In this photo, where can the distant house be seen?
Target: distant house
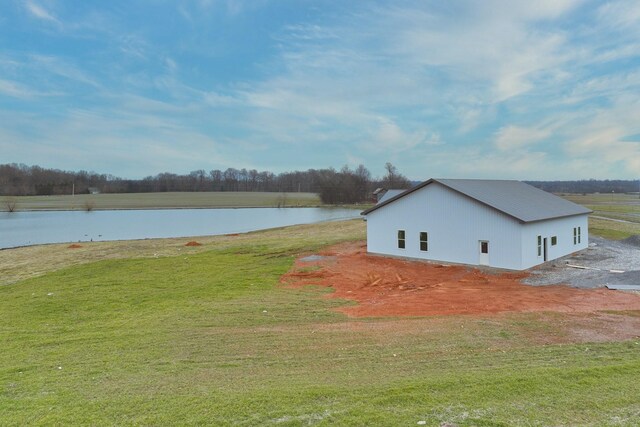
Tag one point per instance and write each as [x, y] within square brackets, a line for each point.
[378, 193]
[389, 194]
[505, 224]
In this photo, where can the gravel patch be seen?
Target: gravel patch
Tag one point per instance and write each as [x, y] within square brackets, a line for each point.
[313, 258]
[601, 256]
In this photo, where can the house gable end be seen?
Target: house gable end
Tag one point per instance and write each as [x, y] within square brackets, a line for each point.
[515, 199]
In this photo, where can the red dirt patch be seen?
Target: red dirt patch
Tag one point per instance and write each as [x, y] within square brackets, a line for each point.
[74, 246]
[192, 243]
[394, 287]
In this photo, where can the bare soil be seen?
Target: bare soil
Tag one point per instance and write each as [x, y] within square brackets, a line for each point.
[193, 243]
[384, 286]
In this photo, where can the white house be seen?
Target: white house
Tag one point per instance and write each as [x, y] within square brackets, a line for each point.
[505, 224]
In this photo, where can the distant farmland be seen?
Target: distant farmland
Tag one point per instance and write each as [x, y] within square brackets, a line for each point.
[615, 216]
[164, 201]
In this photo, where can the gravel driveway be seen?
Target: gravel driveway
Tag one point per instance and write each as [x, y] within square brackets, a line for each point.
[602, 255]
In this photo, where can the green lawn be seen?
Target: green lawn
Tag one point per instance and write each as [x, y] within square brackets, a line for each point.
[210, 337]
[612, 229]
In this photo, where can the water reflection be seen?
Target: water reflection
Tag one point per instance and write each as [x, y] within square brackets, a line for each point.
[31, 228]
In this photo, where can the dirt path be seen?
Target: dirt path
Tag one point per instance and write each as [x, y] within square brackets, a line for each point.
[392, 287]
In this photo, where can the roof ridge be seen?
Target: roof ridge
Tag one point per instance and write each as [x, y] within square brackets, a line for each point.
[518, 199]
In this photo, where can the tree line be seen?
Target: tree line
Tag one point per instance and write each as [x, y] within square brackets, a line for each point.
[334, 186]
[589, 186]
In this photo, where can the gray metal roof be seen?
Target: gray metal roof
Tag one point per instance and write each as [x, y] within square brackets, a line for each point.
[514, 198]
[389, 194]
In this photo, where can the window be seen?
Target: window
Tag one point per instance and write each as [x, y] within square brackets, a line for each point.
[575, 235]
[578, 235]
[484, 247]
[401, 239]
[554, 240]
[424, 241]
[539, 245]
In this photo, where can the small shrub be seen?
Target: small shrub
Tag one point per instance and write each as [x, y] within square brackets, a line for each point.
[10, 204]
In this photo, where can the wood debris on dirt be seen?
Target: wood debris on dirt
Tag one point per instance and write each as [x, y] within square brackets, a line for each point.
[385, 286]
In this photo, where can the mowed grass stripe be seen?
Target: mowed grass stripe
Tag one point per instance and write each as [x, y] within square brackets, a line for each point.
[165, 200]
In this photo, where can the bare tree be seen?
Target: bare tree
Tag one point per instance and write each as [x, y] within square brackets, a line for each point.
[10, 204]
[198, 179]
[282, 200]
[231, 179]
[394, 179]
[216, 179]
[253, 179]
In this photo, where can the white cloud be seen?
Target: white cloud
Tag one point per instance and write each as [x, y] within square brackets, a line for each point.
[138, 137]
[60, 67]
[517, 137]
[15, 89]
[605, 145]
[608, 86]
[215, 99]
[519, 165]
[40, 12]
[307, 32]
[493, 42]
[171, 65]
[389, 136]
[591, 142]
[21, 91]
[622, 15]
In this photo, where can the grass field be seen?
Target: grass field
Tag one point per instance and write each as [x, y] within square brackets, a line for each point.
[162, 200]
[156, 333]
[615, 216]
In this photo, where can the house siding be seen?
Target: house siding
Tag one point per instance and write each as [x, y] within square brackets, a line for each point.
[562, 228]
[455, 224]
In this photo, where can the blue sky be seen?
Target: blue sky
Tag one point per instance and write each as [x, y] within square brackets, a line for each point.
[546, 89]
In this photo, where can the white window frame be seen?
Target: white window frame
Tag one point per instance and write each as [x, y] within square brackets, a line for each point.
[539, 246]
[425, 241]
[579, 236]
[402, 239]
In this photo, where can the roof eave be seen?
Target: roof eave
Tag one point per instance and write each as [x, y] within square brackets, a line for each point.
[556, 217]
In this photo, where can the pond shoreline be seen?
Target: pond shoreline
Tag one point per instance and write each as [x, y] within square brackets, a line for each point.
[29, 228]
[159, 208]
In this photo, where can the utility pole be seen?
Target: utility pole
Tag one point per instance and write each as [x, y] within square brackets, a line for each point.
[73, 189]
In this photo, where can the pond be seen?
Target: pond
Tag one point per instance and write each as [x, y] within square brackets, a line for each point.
[34, 228]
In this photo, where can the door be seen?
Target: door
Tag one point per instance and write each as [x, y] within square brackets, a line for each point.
[544, 248]
[483, 246]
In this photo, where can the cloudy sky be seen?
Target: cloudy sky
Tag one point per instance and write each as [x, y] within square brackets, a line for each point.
[546, 89]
